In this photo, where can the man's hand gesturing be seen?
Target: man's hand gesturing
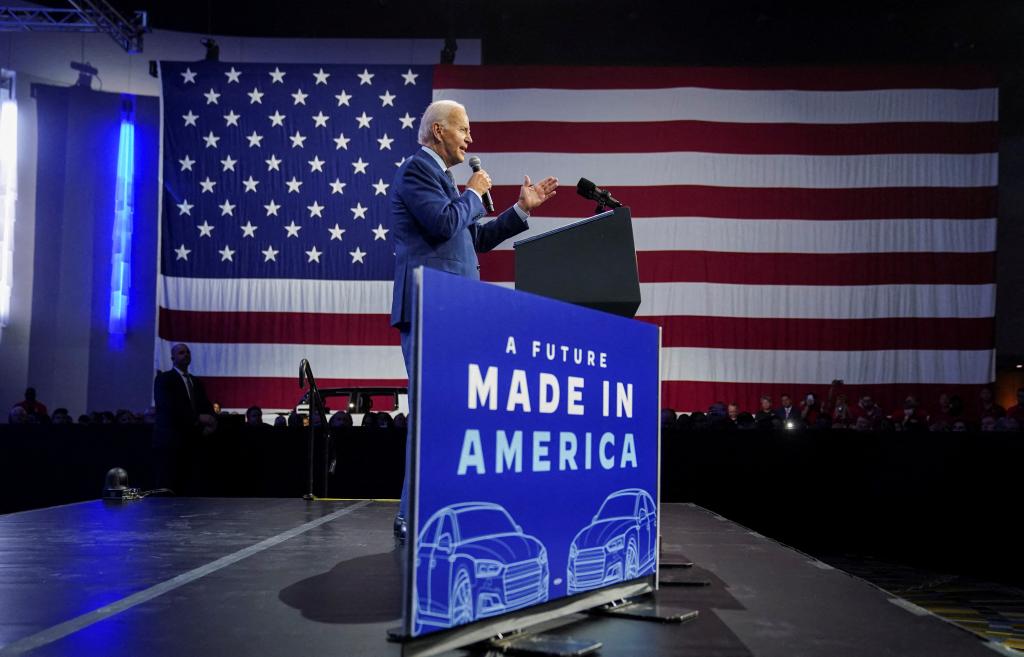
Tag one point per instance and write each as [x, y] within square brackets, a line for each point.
[532, 196]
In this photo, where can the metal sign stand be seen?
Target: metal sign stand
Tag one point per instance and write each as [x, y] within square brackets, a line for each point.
[675, 574]
[647, 608]
[539, 644]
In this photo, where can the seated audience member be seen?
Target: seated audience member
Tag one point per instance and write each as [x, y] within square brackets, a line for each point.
[942, 419]
[745, 421]
[684, 422]
[718, 418]
[910, 417]
[988, 423]
[987, 406]
[1017, 410]
[668, 419]
[384, 421]
[340, 420]
[18, 415]
[401, 421]
[956, 406]
[369, 419]
[84, 419]
[959, 425]
[254, 417]
[61, 416]
[841, 416]
[863, 423]
[280, 421]
[867, 408]
[699, 421]
[765, 417]
[732, 411]
[810, 412]
[216, 408]
[1008, 424]
[125, 416]
[33, 407]
[786, 412]
[149, 416]
[294, 420]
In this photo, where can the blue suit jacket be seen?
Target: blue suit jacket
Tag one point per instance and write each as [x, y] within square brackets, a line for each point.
[436, 227]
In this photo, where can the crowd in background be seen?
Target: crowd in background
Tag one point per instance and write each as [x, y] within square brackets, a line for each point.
[32, 411]
[950, 413]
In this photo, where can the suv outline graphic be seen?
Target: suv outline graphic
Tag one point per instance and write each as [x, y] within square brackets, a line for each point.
[614, 547]
[463, 574]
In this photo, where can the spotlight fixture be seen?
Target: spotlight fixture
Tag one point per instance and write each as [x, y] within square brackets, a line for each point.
[115, 486]
[212, 50]
[86, 71]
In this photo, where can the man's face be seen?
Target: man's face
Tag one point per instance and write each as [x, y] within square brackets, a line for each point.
[786, 401]
[253, 416]
[733, 411]
[181, 357]
[454, 137]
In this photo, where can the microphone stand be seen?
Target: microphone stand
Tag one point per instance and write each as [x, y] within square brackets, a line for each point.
[314, 399]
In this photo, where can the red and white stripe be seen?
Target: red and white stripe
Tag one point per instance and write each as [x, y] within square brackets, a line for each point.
[792, 226]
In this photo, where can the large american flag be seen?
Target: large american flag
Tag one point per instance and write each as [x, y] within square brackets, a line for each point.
[793, 226]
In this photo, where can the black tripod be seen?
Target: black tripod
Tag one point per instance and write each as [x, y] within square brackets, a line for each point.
[315, 402]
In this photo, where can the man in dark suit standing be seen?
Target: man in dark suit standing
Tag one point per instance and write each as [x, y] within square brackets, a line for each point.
[183, 413]
[436, 226]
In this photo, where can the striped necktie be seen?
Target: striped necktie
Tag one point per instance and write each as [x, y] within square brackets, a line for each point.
[188, 389]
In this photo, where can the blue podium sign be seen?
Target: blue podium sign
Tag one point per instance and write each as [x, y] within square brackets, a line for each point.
[535, 461]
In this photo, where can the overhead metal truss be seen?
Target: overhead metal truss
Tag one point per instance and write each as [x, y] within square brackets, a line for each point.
[85, 16]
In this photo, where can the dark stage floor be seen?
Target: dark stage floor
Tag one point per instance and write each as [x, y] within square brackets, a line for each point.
[214, 577]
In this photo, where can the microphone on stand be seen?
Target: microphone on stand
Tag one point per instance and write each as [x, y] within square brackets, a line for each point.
[474, 164]
[589, 190]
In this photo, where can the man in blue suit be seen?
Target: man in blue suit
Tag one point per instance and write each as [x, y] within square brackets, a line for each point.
[436, 226]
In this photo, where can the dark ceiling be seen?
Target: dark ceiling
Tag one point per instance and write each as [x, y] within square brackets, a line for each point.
[607, 32]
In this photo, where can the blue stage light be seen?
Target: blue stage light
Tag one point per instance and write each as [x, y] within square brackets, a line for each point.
[121, 249]
[8, 199]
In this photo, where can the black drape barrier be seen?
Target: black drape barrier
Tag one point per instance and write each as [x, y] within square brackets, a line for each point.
[948, 501]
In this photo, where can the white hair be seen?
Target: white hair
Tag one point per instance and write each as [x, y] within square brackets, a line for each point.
[436, 112]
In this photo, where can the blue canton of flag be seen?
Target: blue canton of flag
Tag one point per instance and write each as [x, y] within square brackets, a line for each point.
[282, 171]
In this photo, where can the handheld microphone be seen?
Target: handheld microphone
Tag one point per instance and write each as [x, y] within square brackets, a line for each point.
[589, 190]
[474, 164]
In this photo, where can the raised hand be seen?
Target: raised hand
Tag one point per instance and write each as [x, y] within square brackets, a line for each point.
[532, 196]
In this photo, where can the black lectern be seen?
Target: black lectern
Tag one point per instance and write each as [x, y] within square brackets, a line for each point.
[590, 263]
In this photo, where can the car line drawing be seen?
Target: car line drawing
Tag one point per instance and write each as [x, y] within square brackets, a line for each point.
[474, 561]
[619, 544]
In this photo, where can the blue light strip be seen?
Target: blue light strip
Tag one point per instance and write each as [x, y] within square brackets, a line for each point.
[121, 250]
[8, 199]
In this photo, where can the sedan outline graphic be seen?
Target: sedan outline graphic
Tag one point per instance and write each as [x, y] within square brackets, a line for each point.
[473, 561]
[619, 544]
